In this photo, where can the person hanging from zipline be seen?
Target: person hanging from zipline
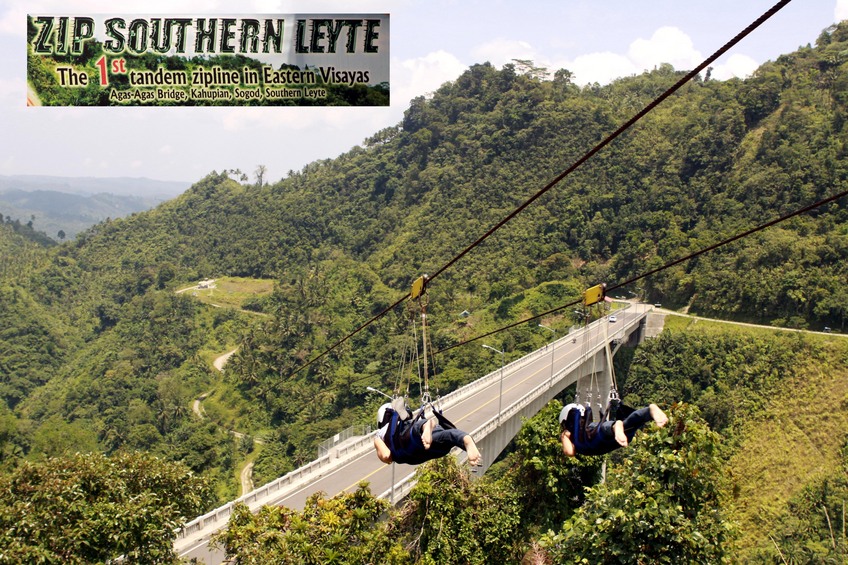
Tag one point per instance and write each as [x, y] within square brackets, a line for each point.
[402, 438]
[579, 434]
[619, 423]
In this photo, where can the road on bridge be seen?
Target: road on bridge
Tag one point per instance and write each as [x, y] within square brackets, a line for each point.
[468, 414]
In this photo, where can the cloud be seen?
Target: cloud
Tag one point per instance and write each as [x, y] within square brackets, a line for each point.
[741, 66]
[502, 51]
[601, 68]
[413, 77]
[666, 45]
[841, 11]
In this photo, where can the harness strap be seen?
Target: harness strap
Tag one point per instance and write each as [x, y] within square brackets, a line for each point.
[444, 422]
[586, 442]
[402, 443]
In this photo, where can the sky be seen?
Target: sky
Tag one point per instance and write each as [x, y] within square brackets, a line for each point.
[431, 42]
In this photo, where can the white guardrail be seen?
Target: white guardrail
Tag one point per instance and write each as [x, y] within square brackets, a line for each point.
[224, 512]
[341, 455]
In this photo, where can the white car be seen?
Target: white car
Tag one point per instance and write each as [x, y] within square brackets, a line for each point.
[613, 319]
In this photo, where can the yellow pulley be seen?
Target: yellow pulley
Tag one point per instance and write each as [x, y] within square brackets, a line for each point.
[594, 294]
[418, 287]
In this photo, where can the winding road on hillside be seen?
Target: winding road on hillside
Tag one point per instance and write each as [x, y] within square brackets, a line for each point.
[222, 360]
[246, 476]
[197, 407]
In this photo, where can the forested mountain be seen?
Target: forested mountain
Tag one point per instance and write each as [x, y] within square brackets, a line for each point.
[97, 351]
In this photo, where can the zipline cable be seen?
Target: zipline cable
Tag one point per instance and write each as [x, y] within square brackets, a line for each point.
[606, 141]
[664, 267]
[644, 275]
[639, 277]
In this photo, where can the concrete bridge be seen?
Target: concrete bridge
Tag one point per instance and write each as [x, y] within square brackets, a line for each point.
[492, 409]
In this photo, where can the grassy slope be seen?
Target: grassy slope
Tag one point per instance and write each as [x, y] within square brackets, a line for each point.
[797, 439]
[232, 291]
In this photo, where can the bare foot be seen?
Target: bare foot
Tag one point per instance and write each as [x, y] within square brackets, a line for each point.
[474, 457]
[658, 415]
[427, 433]
[620, 436]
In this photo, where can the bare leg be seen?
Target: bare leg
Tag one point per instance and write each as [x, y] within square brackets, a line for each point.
[658, 415]
[620, 436]
[427, 433]
[474, 457]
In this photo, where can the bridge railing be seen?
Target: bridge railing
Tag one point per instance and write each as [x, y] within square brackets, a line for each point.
[223, 513]
[495, 421]
[482, 382]
[356, 430]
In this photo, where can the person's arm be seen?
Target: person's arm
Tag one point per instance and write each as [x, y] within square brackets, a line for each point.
[384, 454]
[567, 445]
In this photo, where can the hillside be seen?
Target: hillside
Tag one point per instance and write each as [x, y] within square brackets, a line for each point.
[711, 162]
[64, 215]
[115, 356]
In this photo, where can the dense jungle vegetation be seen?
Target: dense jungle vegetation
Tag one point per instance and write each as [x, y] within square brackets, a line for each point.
[99, 354]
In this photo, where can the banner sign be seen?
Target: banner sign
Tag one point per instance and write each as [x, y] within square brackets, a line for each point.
[254, 60]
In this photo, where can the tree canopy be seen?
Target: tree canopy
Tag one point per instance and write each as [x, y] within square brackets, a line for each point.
[92, 509]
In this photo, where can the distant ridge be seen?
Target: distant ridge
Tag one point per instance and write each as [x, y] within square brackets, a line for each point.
[73, 204]
[124, 186]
